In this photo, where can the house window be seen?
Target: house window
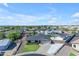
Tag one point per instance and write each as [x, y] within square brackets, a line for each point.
[36, 41]
[39, 41]
[74, 46]
[29, 41]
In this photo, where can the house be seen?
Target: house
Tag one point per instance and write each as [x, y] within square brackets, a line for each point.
[45, 32]
[57, 39]
[56, 31]
[4, 44]
[75, 42]
[40, 32]
[40, 38]
[48, 32]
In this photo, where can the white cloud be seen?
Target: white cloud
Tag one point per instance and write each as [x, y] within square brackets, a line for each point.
[75, 20]
[27, 18]
[76, 14]
[52, 10]
[1, 10]
[5, 4]
[52, 20]
[10, 18]
[2, 17]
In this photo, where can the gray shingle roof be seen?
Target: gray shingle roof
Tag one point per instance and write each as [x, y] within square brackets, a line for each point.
[75, 39]
[38, 37]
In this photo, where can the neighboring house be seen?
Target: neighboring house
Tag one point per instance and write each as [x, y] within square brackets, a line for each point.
[56, 31]
[4, 44]
[57, 39]
[75, 42]
[48, 32]
[40, 38]
[45, 32]
[40, 31]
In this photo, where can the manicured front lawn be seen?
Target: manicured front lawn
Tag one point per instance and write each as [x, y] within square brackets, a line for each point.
[72, 54]
[30, 47]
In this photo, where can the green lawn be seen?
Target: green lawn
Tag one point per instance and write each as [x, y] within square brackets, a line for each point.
[72, 54]
[30, 47]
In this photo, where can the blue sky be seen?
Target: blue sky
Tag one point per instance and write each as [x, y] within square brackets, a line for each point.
[39, 14]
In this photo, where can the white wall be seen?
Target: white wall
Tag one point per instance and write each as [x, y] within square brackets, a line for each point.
[77, 47]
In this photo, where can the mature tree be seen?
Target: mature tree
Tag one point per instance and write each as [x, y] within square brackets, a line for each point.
[13, 36]
[1, 35]
[17, 27]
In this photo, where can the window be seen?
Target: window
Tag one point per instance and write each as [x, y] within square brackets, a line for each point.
[36, 41]
[74, 46]
[29, 41]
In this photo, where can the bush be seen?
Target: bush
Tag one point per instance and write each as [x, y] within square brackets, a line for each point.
[72, 54]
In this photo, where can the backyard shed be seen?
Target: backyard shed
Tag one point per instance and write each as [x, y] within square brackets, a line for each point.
[4, 44]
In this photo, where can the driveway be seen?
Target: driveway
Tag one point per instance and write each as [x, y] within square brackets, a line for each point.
[44, 48]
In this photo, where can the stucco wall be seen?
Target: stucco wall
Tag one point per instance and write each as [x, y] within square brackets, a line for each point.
[76, 48]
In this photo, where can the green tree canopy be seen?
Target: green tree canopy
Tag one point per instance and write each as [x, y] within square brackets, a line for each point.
[13, 36]
[1, 35]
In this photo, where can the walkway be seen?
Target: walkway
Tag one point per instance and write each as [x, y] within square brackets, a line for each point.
[22, 45]
[44, 48]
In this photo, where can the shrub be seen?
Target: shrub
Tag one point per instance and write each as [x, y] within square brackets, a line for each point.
[72, 54]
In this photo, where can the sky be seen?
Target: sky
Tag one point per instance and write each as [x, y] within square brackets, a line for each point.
[39, 14]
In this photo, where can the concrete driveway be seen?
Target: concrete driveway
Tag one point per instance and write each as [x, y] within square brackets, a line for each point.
[44, 48]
